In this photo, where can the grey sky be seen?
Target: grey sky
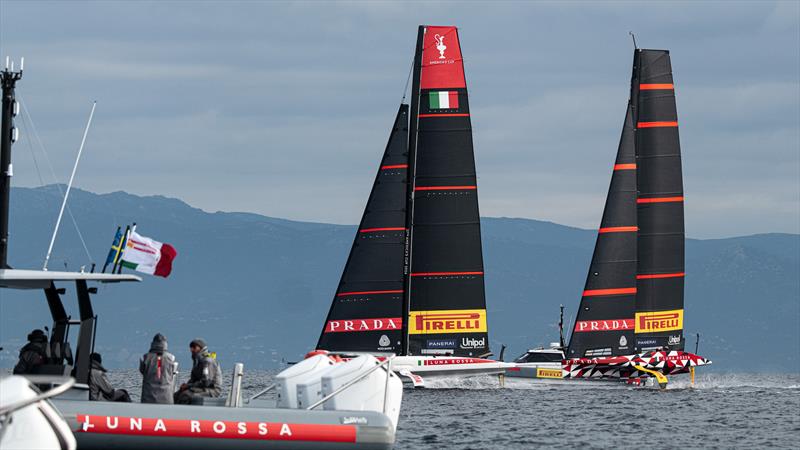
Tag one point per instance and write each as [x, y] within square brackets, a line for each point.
[284, 109]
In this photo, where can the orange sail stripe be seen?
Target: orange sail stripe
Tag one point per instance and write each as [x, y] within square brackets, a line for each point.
[445, 188]
[344, 294]
[659, 200]
[655, 86]
[617, 229]
[660, 275]
[436, 274]
[371, 230]
[656, 124]
[624, 166]
[616, 291]
[396, 166]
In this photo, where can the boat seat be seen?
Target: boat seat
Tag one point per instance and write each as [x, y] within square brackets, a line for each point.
[209, 401]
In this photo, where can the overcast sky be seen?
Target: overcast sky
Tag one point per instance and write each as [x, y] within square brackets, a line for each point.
[284, 109]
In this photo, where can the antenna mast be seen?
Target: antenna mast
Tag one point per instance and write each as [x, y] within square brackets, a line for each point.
[8, 135]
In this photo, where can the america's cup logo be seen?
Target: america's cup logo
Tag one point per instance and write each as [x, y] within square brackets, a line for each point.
[440, 45]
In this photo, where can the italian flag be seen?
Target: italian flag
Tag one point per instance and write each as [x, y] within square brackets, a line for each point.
[443, 99]
[143, 254]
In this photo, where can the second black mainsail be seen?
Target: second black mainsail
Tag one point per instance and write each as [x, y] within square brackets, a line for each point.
[367, 311]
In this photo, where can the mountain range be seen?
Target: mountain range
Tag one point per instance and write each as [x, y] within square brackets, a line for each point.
[258, 288]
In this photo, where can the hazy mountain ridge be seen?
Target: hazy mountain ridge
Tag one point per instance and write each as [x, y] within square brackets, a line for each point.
[258, 288]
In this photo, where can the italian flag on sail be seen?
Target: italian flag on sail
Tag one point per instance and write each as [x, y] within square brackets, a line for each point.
[143, 254]
[443, 99]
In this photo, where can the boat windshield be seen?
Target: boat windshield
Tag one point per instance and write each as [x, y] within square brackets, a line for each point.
[530, 357]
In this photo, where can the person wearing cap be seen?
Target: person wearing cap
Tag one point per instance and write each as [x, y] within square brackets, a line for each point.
[33, 354]
[206, 377]
[158, 368]
[99, 386]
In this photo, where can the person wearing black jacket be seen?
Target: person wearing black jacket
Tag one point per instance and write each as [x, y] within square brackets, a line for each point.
[206, 377]
[99, 386]
[33, 354]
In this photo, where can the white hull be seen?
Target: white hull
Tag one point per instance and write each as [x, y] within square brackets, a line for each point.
[419, 368]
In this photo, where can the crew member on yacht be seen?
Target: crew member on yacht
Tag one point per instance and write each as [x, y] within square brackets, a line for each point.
[206, 377]
[99, 386]
[33, 354]
[158, 369]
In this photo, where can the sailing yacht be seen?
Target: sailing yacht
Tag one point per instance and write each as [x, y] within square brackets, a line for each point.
[413, 284]
[630, 321]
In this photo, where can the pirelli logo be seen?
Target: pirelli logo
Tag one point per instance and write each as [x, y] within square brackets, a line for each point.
[656, 321]
[548, 373]
[444, 322]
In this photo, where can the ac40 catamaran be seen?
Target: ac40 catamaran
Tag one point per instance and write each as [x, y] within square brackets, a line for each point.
[413, 282]
[630, 321]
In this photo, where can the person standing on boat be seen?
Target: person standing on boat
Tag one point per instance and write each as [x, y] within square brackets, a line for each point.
[206, 377]
[99, 386]
[158, 369]
[33, 354]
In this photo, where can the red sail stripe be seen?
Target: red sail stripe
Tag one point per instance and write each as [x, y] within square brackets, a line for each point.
[444, 188]
[624, 166]
[434, 274]
[370, 230]
[659, 199]
[393, 291]
[655, 86]
[617, 229]
[660, 275]
[395, 166]
[656, 124]
[444, 115]
[615, 291]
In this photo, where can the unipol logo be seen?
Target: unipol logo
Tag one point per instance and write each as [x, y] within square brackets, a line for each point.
[603, 325]
[440, 45]
[346, 326]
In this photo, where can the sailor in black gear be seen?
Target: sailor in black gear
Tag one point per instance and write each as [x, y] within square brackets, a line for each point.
[158, 369]
[206, 377]
[99, 386]
[33, 354]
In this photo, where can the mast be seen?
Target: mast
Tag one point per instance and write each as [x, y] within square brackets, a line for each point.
[445, 289]
[8, 79]
[412, 172]
[660, 251]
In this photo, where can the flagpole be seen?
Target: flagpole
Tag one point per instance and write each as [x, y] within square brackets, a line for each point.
[128, 232]
[69, 186]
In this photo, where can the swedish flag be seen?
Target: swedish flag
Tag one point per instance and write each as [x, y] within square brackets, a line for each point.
[116, 249]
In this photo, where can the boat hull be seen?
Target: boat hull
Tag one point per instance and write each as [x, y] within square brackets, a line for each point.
[448, 366]
[102, 425]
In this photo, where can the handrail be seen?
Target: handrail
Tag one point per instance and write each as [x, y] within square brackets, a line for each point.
[354, 381]
[4, 411]
[262, 392]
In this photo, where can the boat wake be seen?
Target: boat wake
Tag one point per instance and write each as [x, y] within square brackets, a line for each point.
[454, 382]
[737, 381]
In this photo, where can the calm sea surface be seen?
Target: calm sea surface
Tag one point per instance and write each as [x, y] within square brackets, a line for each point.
[721, 411]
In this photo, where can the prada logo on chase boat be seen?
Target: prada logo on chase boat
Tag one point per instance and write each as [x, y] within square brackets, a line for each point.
[446, 322]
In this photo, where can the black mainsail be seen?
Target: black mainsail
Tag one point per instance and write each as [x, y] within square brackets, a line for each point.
[445, 286]
[413, 283]
[604, 324]
[633, 299]
[366, 313]
[660, 273]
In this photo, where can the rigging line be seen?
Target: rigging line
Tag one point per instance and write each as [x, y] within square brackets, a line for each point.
[633, 36]
[408, 78]
[52, 173]
[30, 149]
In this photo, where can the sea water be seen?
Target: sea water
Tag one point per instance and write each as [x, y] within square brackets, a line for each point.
[720, 411]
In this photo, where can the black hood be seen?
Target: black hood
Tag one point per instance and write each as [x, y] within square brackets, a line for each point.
[159, 344]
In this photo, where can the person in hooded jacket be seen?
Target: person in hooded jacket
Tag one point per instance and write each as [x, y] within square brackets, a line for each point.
[99, 386]
[206, 377]
[33, 354]
[158, 369]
